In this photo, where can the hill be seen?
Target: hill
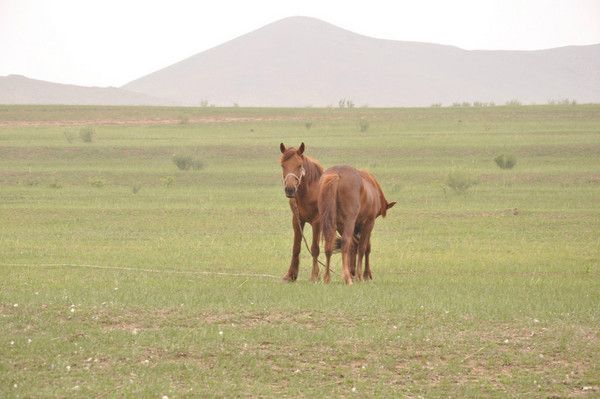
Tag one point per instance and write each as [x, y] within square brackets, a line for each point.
[16, 89]
[302, 61]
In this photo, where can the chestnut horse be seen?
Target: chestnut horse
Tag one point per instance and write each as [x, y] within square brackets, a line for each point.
[349, 201]
[301, 176]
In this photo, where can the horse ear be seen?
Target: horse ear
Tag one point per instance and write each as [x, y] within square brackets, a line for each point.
[391, 204]
[301, 149]
[282, 148]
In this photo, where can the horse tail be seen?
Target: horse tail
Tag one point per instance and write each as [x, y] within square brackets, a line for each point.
[328, 206]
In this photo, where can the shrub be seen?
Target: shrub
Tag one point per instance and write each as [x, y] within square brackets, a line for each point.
[364, 125]
[167, 181]
[460, 181]
[55, 184]
[31, 182]
[187, 162]
[183, 162]
[505, 161]
[436, 105]
[513, 103]
[308, 125]
[183, 119]
[97, 182]
[87, 134]
[136, 188]
[69, 136]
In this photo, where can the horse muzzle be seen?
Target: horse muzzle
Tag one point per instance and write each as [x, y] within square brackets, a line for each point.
[290, 192]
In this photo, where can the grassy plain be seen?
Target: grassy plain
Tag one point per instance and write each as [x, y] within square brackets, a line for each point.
[175, 289]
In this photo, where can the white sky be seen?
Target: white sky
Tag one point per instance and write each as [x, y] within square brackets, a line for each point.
[111, 42]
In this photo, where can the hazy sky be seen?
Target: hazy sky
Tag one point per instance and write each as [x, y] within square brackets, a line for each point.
[111, 42]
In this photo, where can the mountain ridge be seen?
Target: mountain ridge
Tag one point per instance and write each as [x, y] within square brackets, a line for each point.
[300, 61]
[19, 89]
[303, 61]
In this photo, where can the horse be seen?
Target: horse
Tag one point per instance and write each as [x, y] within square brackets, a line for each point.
[301, 176]
[349, 201]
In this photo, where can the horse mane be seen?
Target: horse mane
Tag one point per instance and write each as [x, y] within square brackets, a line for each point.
[312, 168]
[369, 177]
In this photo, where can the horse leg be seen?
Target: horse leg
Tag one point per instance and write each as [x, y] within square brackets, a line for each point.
[292, 273]
[353, 259]
[367, 274]
[355, 238]
[347, 245]
[363, 242]
[314, 250]
[328, 252]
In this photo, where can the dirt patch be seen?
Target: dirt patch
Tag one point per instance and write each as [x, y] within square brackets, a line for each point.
[129, 122]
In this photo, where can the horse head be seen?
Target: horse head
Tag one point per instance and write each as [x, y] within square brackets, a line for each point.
[292, 168]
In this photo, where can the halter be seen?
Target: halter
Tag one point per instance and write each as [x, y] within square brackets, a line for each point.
[302, 173]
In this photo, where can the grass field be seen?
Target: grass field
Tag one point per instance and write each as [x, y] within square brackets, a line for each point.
[122, 276]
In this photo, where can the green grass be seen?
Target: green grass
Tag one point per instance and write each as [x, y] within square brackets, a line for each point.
[491, 293]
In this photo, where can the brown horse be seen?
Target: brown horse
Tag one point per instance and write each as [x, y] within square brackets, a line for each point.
[349, 201]
[301, 176]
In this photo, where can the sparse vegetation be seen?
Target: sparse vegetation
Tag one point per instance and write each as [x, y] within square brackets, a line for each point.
[363, 125]
[514, 103]
[436, 105]
[183, 119]
[187, 162]
[505, 161]
[564, 101]
[167, 181]
[54, 184]
[344, 103]
[460, 181]
[70, 137]
[490, 294]
[86, 134]
[97, 182]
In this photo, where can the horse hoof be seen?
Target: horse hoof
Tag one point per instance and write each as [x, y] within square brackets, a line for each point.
[288, 279]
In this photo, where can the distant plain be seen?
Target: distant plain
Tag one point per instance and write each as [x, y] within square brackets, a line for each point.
[121, 275]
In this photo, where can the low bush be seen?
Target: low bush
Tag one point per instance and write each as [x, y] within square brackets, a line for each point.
[187, 162]
[364, 125]
[505, 161]
[460, 181]
[97, 182]
[86, 134]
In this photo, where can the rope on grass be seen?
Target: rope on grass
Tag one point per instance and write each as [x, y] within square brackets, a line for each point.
[135, 269]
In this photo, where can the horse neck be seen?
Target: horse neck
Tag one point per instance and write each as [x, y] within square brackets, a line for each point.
[313, 174]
